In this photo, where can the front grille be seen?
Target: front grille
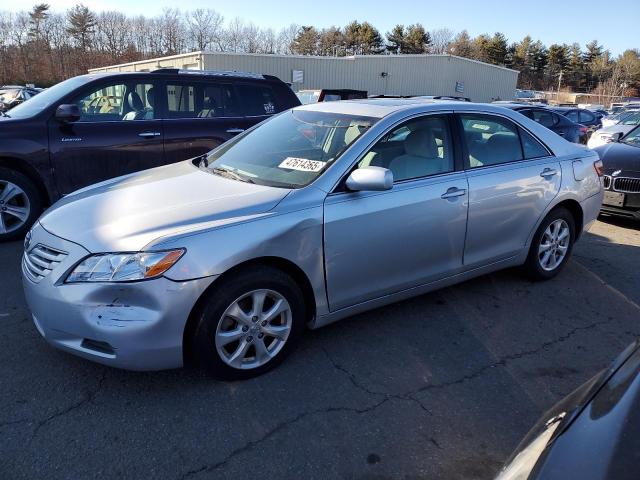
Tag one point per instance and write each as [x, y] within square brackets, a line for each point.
[626, 184]
[40, 261]
[607, 181]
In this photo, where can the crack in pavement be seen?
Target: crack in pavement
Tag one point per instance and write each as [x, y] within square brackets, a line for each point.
[88, 398]
[279, 427]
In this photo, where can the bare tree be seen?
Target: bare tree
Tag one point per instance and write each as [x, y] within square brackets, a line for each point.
[440, 40]
[204, 27]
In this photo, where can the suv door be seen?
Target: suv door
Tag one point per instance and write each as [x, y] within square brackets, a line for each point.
[117, 133]
[512, 179]
[378, 243]
[199, 116]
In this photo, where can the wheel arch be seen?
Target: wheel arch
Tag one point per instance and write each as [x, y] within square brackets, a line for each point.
[575, 209]
[30, 172]
[280, 263]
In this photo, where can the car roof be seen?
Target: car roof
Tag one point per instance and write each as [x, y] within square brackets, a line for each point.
[381, 107]
[185, 72]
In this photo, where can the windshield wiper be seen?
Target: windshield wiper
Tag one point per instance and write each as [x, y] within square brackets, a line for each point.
[225, 172]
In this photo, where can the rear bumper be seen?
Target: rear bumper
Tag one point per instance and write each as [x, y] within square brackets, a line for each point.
[591, 209]
[135, 326]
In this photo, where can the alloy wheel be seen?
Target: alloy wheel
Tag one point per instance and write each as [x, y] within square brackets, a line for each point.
[253, 329]
[554, 245]
[14, 207]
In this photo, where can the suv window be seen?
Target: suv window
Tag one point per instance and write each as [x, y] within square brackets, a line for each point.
[587, 117]
[201, 100]
[116, 102]
[493, 141]
[258, 99]
[417, 148]
[572, 115]
[543, 118]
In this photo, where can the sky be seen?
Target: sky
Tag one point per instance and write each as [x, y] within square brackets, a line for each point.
[613, 24]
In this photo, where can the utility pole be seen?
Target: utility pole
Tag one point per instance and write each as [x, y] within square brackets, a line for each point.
[559, 84]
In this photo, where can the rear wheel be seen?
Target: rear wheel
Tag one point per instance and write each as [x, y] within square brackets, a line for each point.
[249, 324]
[552, 245]
[20, 204]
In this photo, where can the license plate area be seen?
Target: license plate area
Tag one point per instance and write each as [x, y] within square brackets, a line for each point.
[615, 199]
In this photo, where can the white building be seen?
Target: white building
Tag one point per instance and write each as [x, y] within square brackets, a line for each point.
[377, 74]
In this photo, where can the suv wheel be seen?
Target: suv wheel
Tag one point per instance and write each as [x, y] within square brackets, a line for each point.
[249, 324]
[20, 204]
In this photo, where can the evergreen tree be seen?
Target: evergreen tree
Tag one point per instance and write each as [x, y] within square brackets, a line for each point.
[396, 41]
[417, 39]
[462, 46]
[82, 23]
[306, 42]
[497, 49]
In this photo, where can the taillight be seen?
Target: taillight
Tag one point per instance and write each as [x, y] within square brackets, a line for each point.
[598, 167]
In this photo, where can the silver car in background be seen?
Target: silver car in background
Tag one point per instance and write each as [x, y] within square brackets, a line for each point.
[319, 213]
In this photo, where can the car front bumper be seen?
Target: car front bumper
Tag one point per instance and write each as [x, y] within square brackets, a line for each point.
[135, 325]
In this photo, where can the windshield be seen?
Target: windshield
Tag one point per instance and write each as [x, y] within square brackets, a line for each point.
[632, 138]
[7, 95]
[308, 96]
[290, 150]
[631, 119]
[46, 98]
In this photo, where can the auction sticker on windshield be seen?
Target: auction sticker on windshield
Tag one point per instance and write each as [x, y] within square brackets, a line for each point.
[302, 164]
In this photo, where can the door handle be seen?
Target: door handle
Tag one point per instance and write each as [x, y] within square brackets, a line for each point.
[235, 130]
[149, 134]
[562, 134]
[453, 192]
[548, 172]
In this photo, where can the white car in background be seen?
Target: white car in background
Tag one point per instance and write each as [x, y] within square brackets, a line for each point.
[612, 133]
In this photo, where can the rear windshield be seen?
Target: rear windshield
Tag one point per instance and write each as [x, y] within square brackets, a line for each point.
[291, 150]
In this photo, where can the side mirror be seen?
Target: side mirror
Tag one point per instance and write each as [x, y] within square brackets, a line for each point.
[617, 136]
[68, 113]
[370, 179]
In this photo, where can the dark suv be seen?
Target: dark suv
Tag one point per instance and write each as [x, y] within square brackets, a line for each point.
[571, 131]
[94, 127]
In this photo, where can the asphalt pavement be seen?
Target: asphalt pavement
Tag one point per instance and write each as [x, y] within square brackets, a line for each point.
[441, 386]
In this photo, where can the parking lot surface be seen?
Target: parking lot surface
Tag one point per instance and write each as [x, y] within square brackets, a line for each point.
[441, 386]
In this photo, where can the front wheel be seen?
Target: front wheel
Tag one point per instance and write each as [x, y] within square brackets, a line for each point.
[249, 324]
[551, 246]
[20, 204]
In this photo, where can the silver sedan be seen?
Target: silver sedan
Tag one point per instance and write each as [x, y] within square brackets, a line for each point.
[319, 213]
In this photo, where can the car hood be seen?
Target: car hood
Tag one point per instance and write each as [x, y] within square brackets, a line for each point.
[127, 213]
[616, 128]
[619, 156]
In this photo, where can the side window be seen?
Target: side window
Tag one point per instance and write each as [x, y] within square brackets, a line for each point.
[587, 117]
[531, 147]
[572, 115]
[181, 100]
[258, 100]
[116, 102]
[417, 148]
[543, 118]
[491, 140]
[219, 100]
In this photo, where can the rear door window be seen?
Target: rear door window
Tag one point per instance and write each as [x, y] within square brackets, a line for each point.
[201, 100]
[572, 115]
[258, 100]
[491, 140]
[543, 118]
[587, 117]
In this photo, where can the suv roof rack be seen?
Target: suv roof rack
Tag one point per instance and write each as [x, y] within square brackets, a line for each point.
[214, 73]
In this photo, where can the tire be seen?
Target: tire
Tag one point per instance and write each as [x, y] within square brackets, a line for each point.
[20, 204]
[559, 219]
[219, 320]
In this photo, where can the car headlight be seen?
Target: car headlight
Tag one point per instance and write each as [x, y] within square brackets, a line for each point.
[522, 464]
[124, 267]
